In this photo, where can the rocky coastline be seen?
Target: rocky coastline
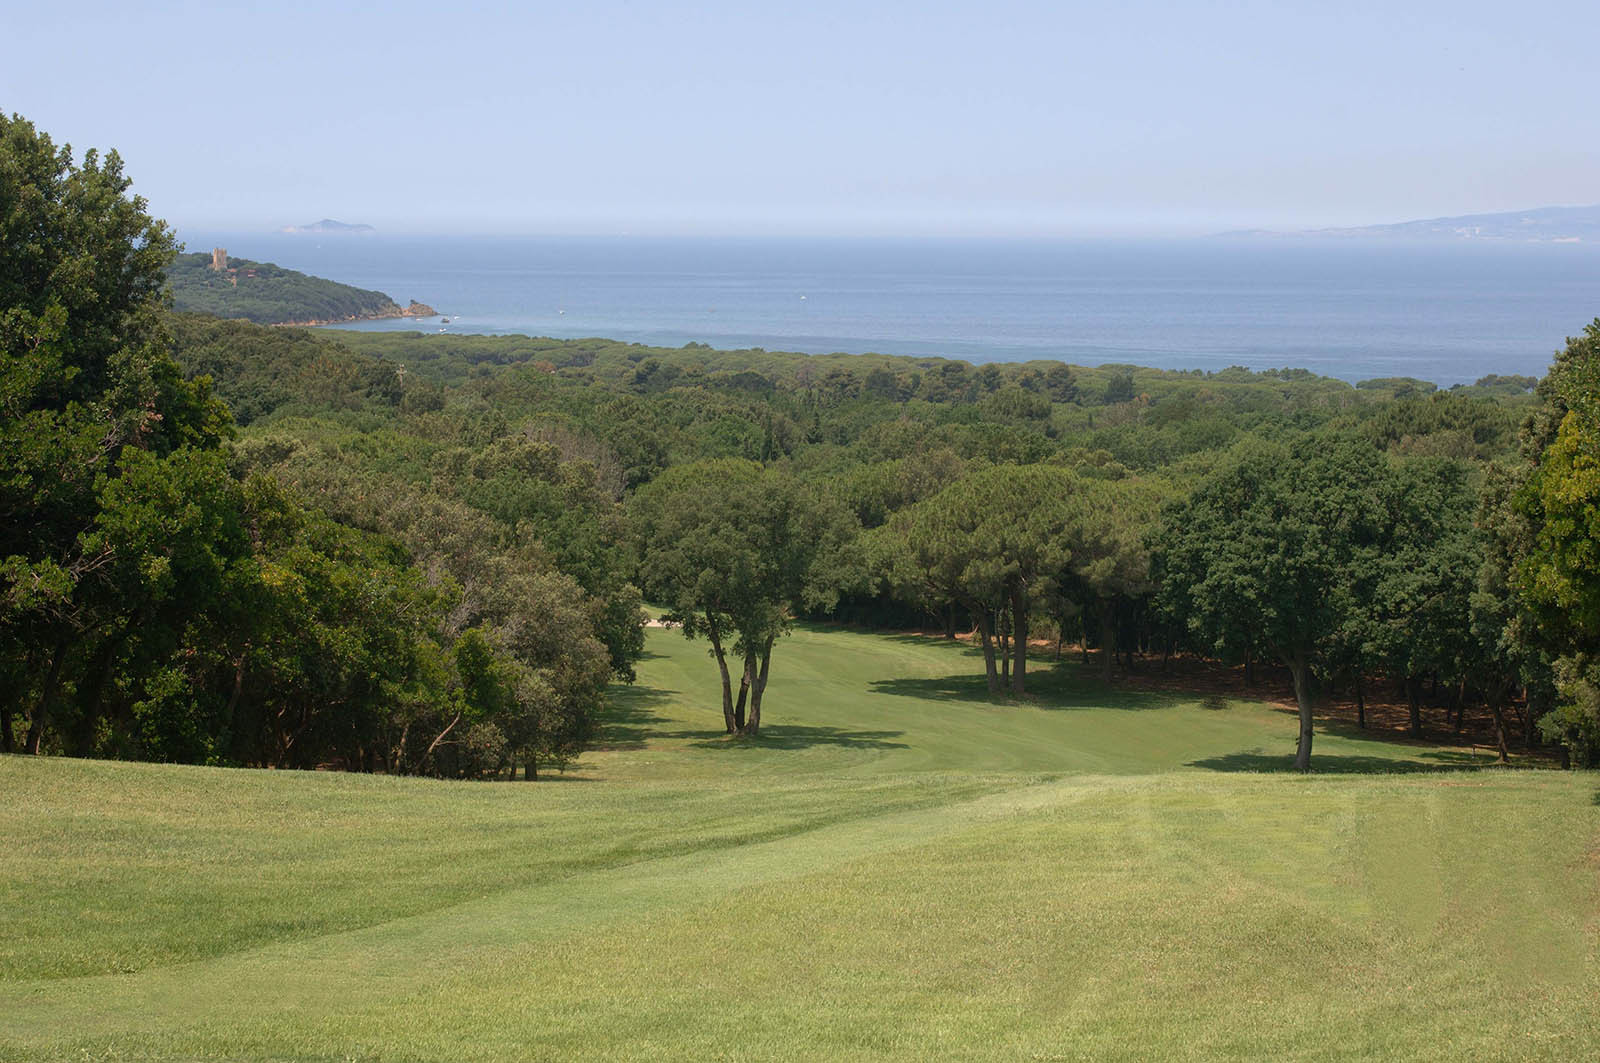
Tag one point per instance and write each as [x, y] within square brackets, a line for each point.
[413, 309]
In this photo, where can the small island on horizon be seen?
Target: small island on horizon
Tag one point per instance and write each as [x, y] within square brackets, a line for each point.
[328, 225]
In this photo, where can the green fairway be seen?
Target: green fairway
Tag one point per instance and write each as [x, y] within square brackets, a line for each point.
[899, 867]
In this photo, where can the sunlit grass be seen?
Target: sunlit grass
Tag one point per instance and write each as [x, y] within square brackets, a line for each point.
[899, 867]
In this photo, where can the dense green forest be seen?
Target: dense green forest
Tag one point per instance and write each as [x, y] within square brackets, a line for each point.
[428, 554]
[269, 295]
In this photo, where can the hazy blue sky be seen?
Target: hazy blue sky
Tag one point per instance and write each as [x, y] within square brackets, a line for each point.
[821, 117]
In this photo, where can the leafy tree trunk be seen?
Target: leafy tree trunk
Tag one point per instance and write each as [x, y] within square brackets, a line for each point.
[1461, 704]
[745, 680]
[759, 689]
[1516, 710]
[238, 689]
[1361, 702]
[47, 698]
[91, 700]
[1003, 627]
[1249, 668]
[727, 682]
[286, 736]
[1498, 711]
[986, 636]
[399, 752]
[1300, 670]
[950, 621]
[1019, 613]
[1108, 637]
[8, 742]
[1414, 703]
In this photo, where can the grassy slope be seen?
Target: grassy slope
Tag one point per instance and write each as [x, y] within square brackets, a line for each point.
[898, 868]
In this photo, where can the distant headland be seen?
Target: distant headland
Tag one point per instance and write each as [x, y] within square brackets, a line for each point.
[1549, 225]
[268, 294]
[328, 225]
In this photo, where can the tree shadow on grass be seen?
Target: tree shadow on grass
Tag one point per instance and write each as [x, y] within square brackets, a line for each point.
[963, 647]
[1462, 758]
[1333, 725]
[1336, 764]
[628, 719]
[1048, 688]
[1470, 750]
[937, 688]
[786, 736]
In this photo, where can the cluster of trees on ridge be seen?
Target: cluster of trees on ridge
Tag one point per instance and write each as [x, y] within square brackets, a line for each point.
[423, 553]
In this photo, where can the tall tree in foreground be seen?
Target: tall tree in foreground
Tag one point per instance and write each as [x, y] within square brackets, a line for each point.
[85, 379]
[1265, 549]
[734, 551]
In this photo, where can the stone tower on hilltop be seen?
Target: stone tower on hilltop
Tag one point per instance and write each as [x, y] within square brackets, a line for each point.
[219, 259]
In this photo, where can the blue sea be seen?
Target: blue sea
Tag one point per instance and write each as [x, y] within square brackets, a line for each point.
[1448, 312]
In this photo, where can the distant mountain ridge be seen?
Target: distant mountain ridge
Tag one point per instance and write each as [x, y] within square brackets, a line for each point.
[328, 225]
[1540, 225]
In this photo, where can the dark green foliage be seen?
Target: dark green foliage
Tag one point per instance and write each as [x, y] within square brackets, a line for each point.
[1401, 387]
[1555, 559]
[88, 394]
[1270, 549]
[1513, 384]
[1057, 382]
[257, 371]
[333, 648]
[734, 551]
[875, 491]
[995, 542]
[164, 598]
[1119, 388]
[1445, 424]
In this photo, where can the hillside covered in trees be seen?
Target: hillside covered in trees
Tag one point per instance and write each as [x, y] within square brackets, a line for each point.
[1020, 501]
[428, 554]
[271, 295]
